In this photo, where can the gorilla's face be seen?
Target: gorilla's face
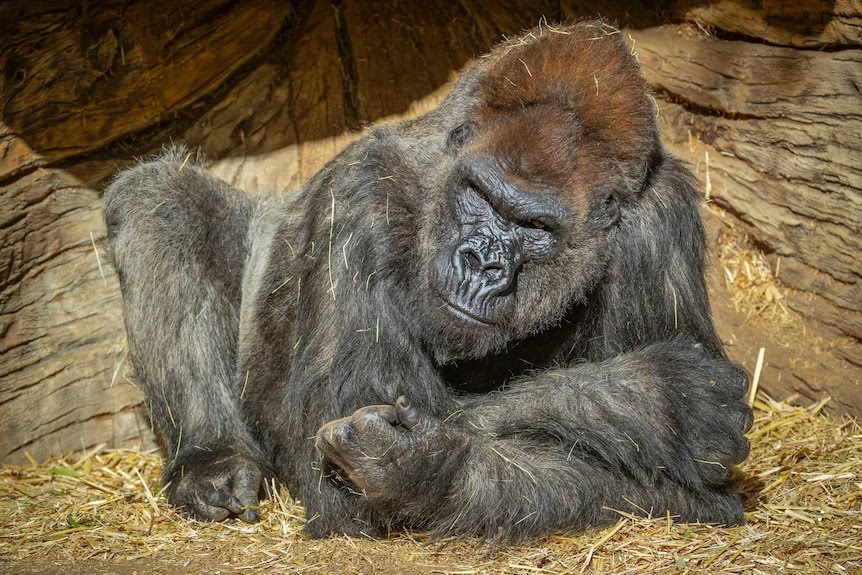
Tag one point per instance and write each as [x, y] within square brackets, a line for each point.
[496, 229]
[516, 244]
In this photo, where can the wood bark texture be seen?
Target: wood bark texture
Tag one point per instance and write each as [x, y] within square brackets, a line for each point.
[271, 90]
[783, 128]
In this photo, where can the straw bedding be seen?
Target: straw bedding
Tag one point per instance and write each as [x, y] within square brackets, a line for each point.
[101, 512]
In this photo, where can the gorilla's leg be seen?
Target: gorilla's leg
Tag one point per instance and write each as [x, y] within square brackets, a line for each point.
[177, 236]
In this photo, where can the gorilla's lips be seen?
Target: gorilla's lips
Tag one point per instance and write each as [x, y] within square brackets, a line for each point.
[466, 315]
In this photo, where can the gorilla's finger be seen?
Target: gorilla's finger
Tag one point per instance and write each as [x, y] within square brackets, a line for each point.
[245, 500]
[339, 432]
[409, 416]
[745, 419]
[332, 443]
[369, 417]
[250, 515]
[240, 501]
[247, 512]
[203, 511]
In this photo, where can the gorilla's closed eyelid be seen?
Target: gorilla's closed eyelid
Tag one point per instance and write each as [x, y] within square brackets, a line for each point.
[478, 190]
[526, 209]
[502, 208]
[535, 213]
[536, 224]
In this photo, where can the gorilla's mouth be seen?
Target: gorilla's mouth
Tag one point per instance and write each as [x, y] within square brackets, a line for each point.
[466, 315]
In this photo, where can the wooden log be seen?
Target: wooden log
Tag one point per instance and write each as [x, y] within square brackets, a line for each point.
[62, 387]
[806, 363]
[782, 130]
[281, 123]
[808, 24]
[76, 79]
[398, 52]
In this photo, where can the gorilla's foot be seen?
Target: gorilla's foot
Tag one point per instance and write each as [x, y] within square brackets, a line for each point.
[216, 485]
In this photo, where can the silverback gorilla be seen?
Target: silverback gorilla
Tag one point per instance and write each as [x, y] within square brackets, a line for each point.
[490, 320]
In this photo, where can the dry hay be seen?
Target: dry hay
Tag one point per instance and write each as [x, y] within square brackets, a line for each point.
[102, 513]
[755, 289]
[753, 285]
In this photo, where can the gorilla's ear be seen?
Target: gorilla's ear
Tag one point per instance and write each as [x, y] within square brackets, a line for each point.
[460, 136]
[605, 211]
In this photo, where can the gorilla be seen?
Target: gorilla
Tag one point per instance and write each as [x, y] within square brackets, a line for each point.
[490, 320]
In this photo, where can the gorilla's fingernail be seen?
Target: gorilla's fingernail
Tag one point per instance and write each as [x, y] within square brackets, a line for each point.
[403, 402]
[250, 516]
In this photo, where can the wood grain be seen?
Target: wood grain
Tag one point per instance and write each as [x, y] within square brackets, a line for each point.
[271, 90]
[782, 128]
[61, 384]
[77, 80]
[809, 24]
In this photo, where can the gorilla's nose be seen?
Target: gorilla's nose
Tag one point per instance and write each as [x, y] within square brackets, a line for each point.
[490, 269]
[477, 262]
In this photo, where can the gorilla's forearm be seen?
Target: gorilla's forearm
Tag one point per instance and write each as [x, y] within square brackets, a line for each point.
[650, 412]
[416, 470]
[562, 449]
[511, 489]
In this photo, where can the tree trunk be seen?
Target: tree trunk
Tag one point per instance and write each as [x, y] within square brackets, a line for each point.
[782, 128]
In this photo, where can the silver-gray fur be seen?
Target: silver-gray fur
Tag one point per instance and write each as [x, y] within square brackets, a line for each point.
[313, 340]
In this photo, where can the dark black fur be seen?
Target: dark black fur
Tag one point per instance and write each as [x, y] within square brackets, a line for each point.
[525, 266]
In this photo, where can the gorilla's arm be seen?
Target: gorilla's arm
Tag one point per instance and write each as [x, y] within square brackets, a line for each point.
[176, 237]
[669, 409]
[637, 433]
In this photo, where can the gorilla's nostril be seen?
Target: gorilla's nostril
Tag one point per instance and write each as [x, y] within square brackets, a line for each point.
[476, 263]
[472, 260]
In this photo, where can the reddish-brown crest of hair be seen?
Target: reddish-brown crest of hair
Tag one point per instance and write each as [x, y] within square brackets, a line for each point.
[566, 108]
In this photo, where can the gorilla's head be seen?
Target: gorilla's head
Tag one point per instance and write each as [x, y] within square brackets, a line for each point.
[548, 144]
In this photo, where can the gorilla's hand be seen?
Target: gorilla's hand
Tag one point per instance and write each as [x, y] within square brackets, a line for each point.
[712, 417]
[672, 407]
[216, 485]
[396, 455]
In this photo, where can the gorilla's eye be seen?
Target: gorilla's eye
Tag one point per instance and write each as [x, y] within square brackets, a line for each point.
[478, 191]
[535, 224]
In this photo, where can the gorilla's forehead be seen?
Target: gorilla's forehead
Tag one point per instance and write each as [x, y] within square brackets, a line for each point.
[582, 85]
[543, 159]
[585, 70]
